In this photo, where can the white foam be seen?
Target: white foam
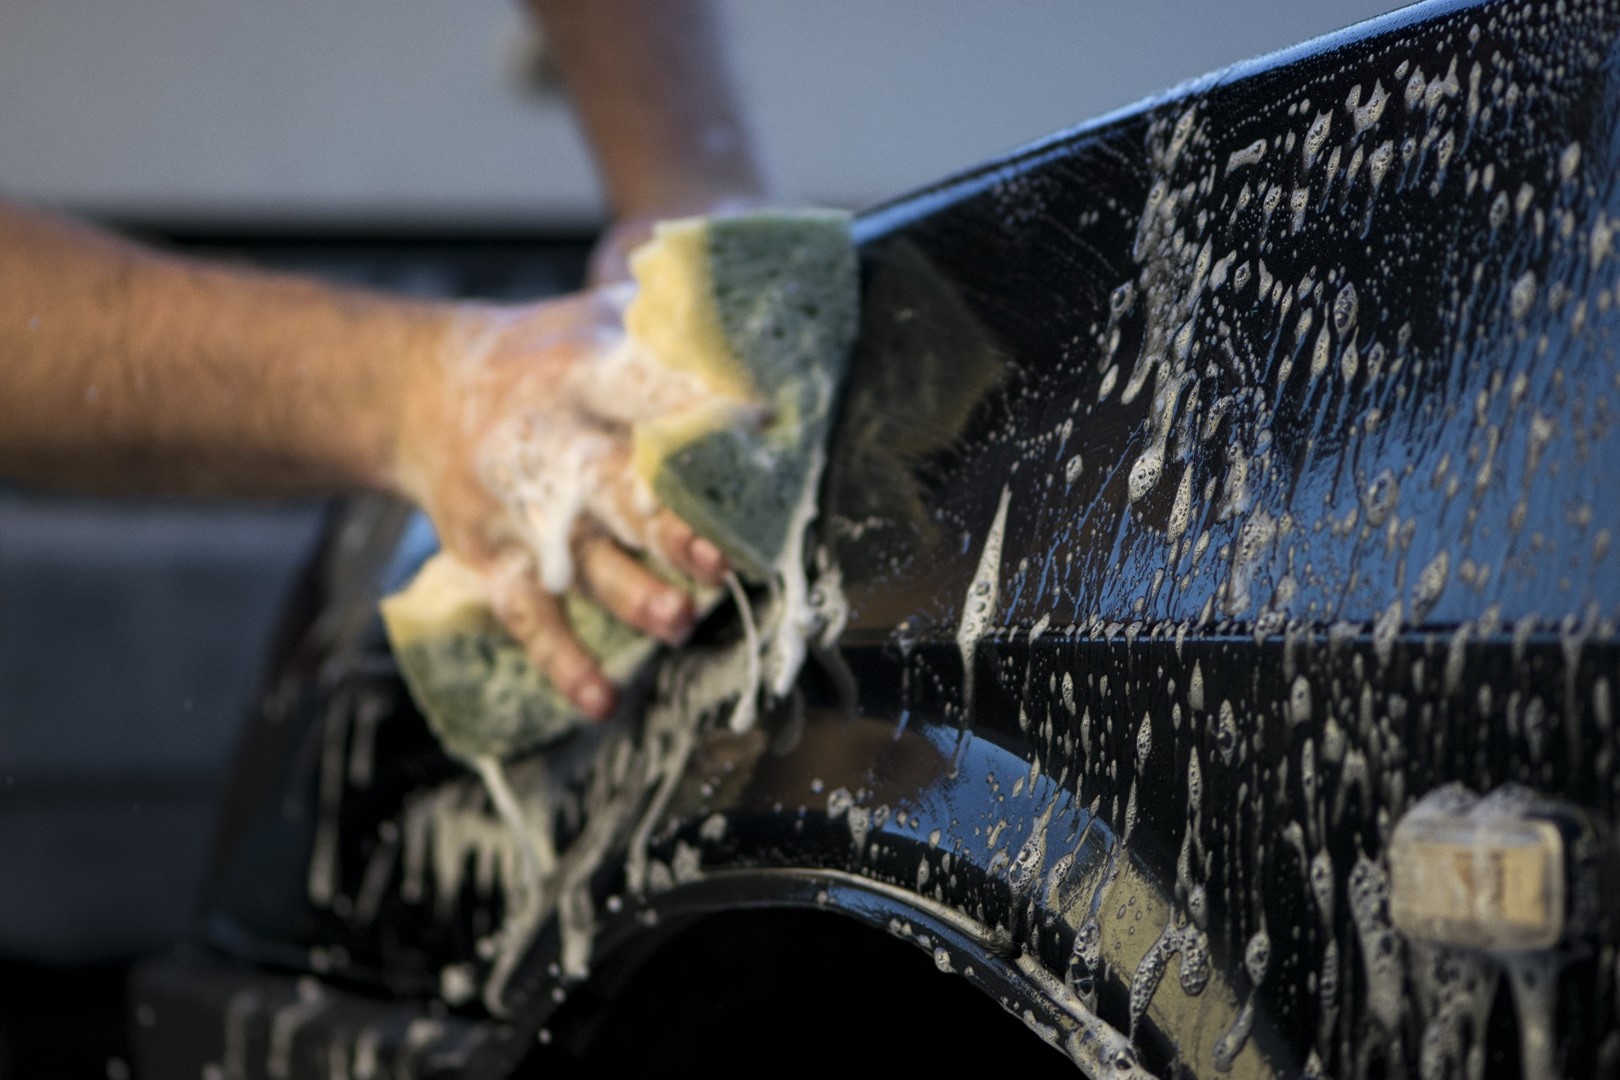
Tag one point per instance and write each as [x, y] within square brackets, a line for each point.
[785, 636]
[742, 713]
[979, 605]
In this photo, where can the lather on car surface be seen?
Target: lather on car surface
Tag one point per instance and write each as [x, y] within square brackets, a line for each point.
[1218, 629]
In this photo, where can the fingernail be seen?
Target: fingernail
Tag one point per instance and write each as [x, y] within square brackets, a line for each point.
[668, 610]
[596, 699]
[706, 555]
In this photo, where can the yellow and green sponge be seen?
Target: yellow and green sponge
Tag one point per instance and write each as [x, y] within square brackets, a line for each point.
[760, 307]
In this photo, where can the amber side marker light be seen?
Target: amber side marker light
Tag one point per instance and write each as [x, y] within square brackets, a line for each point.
[1485, 873]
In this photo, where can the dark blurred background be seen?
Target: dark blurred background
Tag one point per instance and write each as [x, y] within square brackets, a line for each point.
[417, 145]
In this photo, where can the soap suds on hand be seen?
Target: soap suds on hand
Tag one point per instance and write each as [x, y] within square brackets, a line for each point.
[738, 336]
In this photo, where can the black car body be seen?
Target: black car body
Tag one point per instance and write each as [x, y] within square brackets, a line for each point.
[1218, 633]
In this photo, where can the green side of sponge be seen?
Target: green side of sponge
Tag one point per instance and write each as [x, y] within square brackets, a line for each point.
[762, 307]
[474, 683]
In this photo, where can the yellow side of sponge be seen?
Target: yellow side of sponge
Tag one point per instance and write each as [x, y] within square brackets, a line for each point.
[673, 315]
[444, 597]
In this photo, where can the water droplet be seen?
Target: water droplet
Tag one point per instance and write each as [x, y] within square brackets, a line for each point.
[1368, 114]
[1316, 137]
[1385, 629]
[1226, 732]
[1231, 1044]
[1499, 210]
[1378, 162]
[1249, 155]
[1195, 962]
[1145, 473]
[1120, 300]
[1570, 161]
[1380, 498]
[1257, 956]
[1181, 509]
[1299, 700]
[1523, 295]
[1431, 583]
[1321, 353]
[1321, 875]
[1071, 470]
[1345, 306]
[1521, 201]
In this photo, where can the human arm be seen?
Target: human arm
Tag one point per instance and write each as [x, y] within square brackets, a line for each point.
[656, 97]
[111, 329]
[124, 369]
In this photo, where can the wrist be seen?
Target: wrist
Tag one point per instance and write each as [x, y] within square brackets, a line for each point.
[432, 337]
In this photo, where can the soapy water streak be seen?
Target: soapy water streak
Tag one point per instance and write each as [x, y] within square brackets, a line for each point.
[979, 606]
[630, 778]
[556, 468]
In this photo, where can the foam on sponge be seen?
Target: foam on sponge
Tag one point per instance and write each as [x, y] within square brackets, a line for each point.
[762, 309]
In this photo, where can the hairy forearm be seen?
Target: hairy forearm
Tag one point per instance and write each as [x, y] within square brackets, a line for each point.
[122, 369]
[652, 85]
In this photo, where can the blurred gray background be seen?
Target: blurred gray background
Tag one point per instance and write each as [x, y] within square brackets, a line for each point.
[413, 110]
[131, 633]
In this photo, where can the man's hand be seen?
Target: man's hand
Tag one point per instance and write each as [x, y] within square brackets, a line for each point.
[123, 369]
[127, 370]
[514, 439]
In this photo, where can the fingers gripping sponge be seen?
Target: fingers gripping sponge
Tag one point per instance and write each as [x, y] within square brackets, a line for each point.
[762, 309]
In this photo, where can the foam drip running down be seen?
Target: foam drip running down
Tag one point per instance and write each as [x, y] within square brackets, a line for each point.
[742, 713]
[1534, 979]
[979, 606]
[776, 636]
[532, 831]
[785, 635]
[450, 832]
[629, 806]
[539, 853]
[776, 639]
